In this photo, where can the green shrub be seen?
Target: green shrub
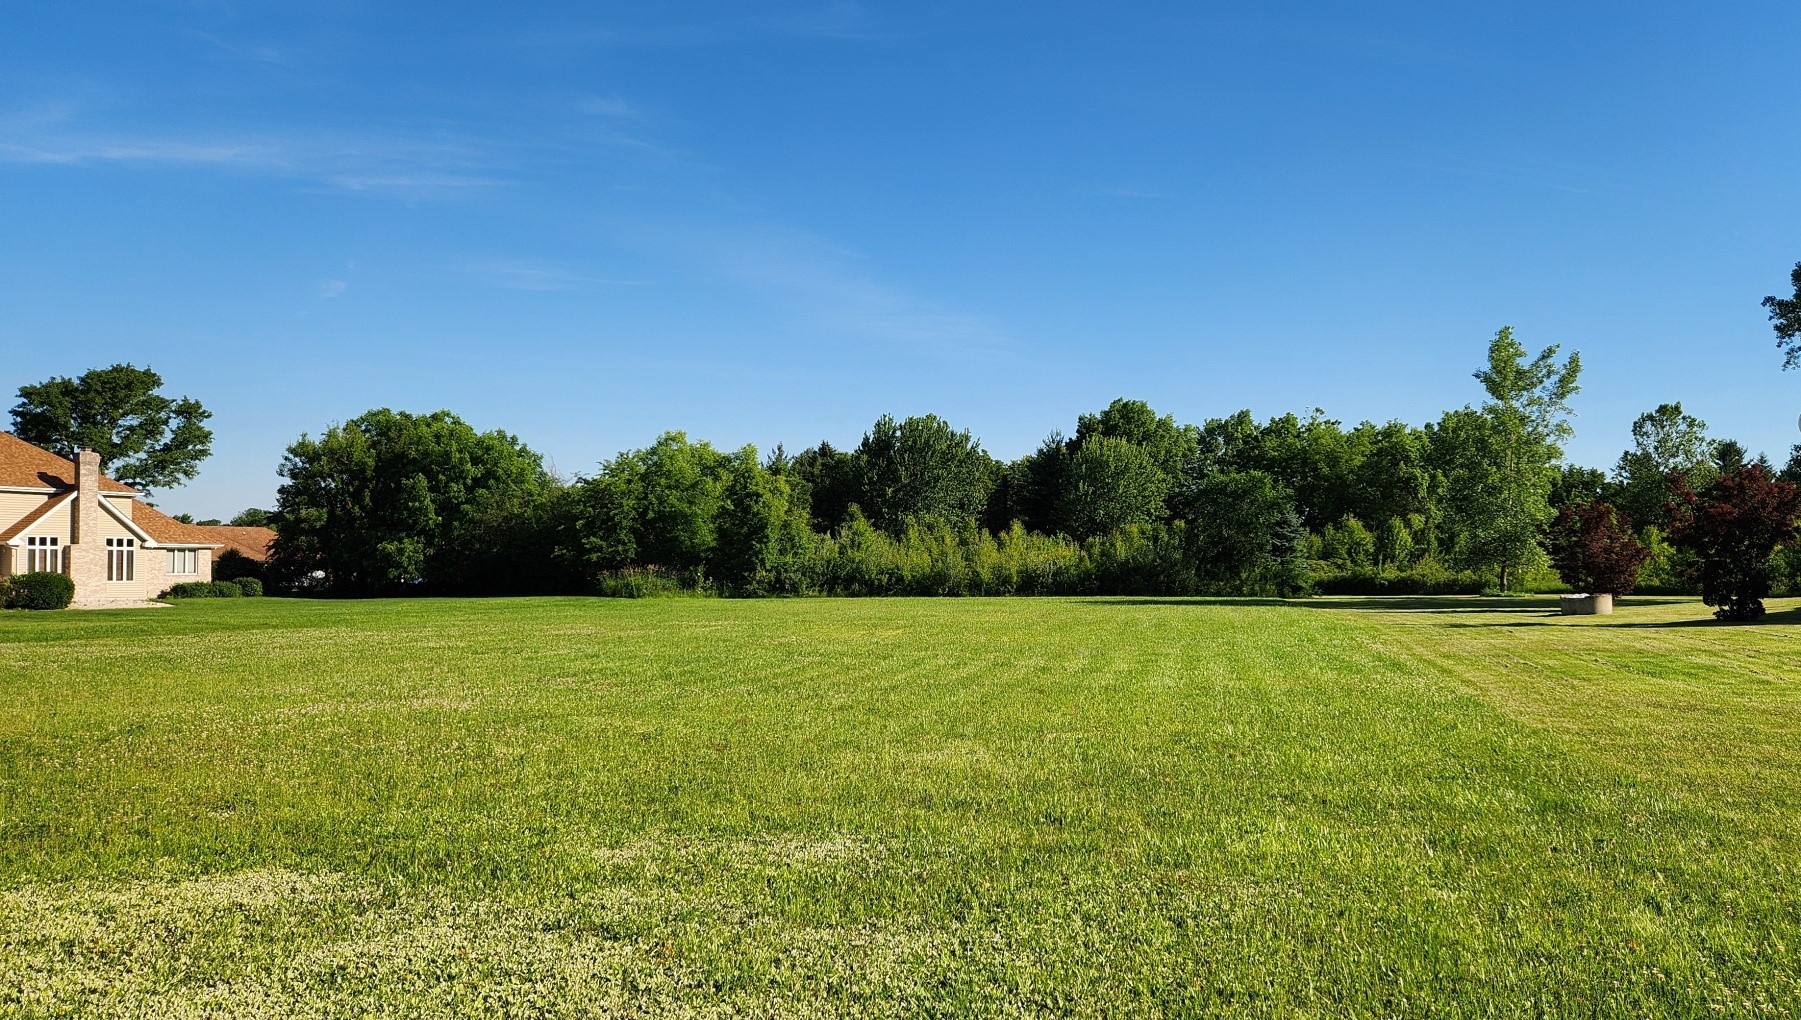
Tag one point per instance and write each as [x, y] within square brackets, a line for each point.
[227, 590]
[249, 586]
[190, 590]
[40, 590]
[647, 582]
[1427, 578]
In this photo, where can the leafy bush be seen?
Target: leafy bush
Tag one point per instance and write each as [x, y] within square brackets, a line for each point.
[249, 586]
[39, 590]
[190, 590]
[227, 590]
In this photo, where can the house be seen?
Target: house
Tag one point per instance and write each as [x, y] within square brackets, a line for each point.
[62, 515]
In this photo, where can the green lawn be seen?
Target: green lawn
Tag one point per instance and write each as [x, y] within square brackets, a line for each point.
[1050, 807]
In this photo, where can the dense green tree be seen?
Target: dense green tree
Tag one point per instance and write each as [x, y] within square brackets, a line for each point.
[1039, 482]
[1665, 441]
[1312, 458]
[825, 480]
[679, 492]
[385, 500]
[761, 530]
[1785, 319]
[1111, 483]
[1577, 484]
[920, 471]
[144, 439]
[1791, 469]
[1389, 477]
[1246, 531]
[1169, 446]
[1233, 443]
[1729, 455]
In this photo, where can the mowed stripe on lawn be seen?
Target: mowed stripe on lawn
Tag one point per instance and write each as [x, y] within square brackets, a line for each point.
[818, 807]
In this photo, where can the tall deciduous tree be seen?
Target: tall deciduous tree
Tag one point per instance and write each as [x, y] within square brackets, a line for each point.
[1111, 483]
[1506, 493]
[760, 531]
[144, 439]
[1665, 441]
[1785, 319]
[921, 470]
[1247, 533]
[391, 499]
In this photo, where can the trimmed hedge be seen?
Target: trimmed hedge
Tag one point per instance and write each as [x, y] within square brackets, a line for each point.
[238, 588]
[39, 590]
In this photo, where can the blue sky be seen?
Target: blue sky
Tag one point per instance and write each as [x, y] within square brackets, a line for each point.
[589, 223]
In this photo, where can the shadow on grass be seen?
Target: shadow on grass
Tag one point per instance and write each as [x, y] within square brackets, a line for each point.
[1544, 605]
[1785, 618]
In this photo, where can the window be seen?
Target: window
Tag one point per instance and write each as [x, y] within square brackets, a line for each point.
[42, 553]
[184, 561]
[120, 556]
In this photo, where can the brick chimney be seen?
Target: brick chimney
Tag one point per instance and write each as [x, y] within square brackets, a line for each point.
[87, 495]
[87, 555]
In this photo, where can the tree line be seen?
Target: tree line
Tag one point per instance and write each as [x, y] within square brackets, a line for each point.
[1129, 502]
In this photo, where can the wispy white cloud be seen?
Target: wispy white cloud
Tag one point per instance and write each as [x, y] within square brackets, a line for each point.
[1552, 174]
[245, 51]
[329, 289]
[838, 19]
[537, 275]
[1129, 191]
[358, 163]
[414, 185]
[606, 106]
[835, 290]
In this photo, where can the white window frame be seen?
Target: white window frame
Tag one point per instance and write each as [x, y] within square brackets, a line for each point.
[43, 553]
[183, 562]
[121, 559]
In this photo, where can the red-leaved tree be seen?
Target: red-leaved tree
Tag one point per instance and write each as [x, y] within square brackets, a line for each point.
[1594, 550]
[1733, 526]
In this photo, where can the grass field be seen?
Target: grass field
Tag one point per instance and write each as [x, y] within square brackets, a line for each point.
[1018, 807]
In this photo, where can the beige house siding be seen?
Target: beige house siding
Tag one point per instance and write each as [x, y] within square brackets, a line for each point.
[60, 521]
[15, 505]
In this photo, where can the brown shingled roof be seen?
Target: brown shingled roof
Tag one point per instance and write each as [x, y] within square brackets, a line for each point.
[251, 543]
[30, 467]
[167, 530]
